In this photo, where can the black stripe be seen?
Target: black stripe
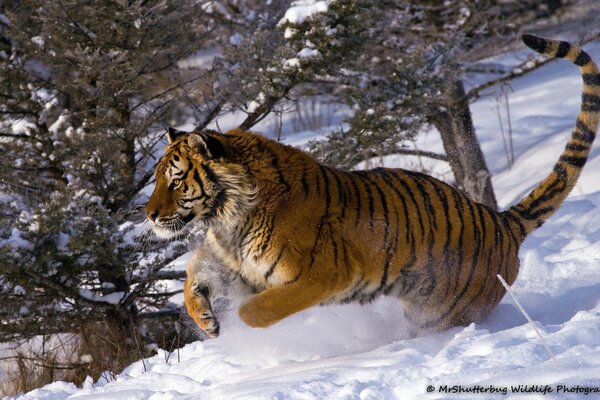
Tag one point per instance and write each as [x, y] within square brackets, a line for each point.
[198, 180]
[411, 196]
[384, 205]
[188, 217]
[428, 204]
[536, 43]
[191, 199]
[244, 236]
[585, 133]
[255, 234]
[272, 267]
[386, 175]
[506, 224]
[326, 188]
[407, 279]
[446, 262]
[347, 192]
[369, 197]
[517, 220]
[590, 98]
[582, 58]
[535, 216]
[210, 174]
[318, 183]
[561, 173]
[357, 290]
[294, 279]
[270, 153]
[345, 255]
[577, 147]
[341, 194]
[551, 190]
[266, 240]
[316, 243]
[304, 181]
[275, 165]
[217, 205]
[185, 175]
[510, 240]
[563, 49]
[591, 79]
[590, 107]
[578, 162]
[358, 208]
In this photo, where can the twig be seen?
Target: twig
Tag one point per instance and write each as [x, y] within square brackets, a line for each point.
[520, 307]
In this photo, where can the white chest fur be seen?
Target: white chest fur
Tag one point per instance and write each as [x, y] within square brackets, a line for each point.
[253, 269]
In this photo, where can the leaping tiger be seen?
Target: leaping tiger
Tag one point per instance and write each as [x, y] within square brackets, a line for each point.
[303, 234]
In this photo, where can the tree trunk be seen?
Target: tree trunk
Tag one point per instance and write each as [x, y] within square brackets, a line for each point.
[462, 147]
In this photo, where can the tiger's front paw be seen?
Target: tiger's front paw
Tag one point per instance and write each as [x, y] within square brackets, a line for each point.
[199, 308]
[209, 324]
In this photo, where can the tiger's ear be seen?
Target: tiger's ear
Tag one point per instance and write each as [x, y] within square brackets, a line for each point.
[173, 134]
[210, 145]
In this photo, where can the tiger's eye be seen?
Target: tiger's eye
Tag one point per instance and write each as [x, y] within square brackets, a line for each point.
[176, 183]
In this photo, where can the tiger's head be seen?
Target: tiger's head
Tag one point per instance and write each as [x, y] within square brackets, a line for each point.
[197, 180]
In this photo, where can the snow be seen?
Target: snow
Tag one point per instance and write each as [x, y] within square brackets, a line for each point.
[38, 40]
[202, 59]
[364, 352]
[291, 63]
[301, 10]
[4, 20]
[309, 53]
[111, 298]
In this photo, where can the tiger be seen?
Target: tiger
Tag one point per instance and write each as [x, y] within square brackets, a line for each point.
[302, 234]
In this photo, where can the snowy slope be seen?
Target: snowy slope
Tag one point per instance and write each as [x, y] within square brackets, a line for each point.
[362, 352]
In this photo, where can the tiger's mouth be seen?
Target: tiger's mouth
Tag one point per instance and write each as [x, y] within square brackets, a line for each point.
[173, 227]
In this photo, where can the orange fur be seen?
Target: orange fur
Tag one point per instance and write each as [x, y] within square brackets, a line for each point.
[304, 234]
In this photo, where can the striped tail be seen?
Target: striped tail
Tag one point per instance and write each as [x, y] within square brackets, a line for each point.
[545, 199]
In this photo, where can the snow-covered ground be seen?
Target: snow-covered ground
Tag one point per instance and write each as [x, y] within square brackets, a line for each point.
[363, 352]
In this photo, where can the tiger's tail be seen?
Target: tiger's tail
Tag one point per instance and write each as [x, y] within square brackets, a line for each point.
[533, 210]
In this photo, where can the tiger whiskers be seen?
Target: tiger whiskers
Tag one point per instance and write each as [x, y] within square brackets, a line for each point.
[143, 237]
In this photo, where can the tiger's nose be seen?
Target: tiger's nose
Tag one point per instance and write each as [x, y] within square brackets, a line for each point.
[152, 215]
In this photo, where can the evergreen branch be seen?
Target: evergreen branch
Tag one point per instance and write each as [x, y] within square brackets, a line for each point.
[421, 153]
[214, 111]
[265, 108]
[141, 184]
[15, 136]
[520, 70]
